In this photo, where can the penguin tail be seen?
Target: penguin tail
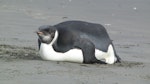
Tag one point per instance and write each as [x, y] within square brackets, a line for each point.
[111, 58]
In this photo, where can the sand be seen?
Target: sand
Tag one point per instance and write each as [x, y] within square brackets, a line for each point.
[127, 22]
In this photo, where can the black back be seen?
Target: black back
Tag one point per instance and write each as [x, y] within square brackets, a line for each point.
[71, 31]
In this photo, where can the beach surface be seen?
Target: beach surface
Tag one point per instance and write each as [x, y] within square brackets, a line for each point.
[126, 21]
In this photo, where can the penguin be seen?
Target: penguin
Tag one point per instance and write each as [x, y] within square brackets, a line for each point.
[76, 41]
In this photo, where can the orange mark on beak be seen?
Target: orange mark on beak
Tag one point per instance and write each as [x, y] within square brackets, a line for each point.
[39, 33]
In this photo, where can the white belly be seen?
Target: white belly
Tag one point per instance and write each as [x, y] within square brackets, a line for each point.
[74, 55]
[48, 53]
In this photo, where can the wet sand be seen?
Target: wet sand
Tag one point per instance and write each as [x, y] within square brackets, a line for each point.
[126, 21]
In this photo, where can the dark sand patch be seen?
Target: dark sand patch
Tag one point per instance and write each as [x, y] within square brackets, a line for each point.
[9, 53]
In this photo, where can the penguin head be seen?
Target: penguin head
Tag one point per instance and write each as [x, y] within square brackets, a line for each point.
[46, 34]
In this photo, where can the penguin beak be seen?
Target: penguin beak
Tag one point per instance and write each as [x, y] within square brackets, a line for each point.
[39, 33]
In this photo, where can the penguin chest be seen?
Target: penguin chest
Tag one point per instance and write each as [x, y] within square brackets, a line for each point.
[48, 53]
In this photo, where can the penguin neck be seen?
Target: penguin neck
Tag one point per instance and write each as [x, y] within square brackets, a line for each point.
[54, 39]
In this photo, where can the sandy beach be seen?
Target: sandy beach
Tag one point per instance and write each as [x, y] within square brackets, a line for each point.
[127, 22]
